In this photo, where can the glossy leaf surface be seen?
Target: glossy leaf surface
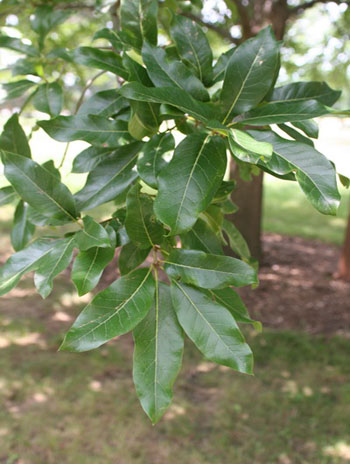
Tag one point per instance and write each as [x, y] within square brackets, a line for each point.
[52, 264]
[114, 311]
[88, 267]
[157, 355]
[39, 188]
[208, 271]
[211, 327]
[189, 182]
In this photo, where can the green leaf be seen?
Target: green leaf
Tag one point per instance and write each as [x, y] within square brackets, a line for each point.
[38, 187]
[113, 312]
[24, 67]
[309, 127]
[93, 129]
[314, 173]
[280, 112]
[208, 271]
[110, 35]
[193, 47]
[250, 73]
[51, 168]
[92, 235]
[296, 135]
[22, 230]
[211, 327]
[24, 261]
[88, 267]
[221, 65]
[13, 138]
[171, 96]
[144, 121]
[52, 265]
[7, 195]
[100, 59]
[247, 149]
[139, 20]
[189, 182]
[131, 256]
[110, 177]
[18, 88]
[202, 237]
[140, 222]
[45, 18]
[159, 344]
[106, 103]
[233, 302]
[49, 99]
[236, 240]
[303, 91]
[152, 161]
[166, 72]
[17, 45]
[89, 158]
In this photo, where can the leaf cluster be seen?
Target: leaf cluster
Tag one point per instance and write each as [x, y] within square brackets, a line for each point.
[171, 194]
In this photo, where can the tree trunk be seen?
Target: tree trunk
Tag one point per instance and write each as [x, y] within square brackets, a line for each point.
[248, 197]
[344, 261]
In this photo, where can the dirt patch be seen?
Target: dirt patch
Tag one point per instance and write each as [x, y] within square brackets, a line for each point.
[297, 287]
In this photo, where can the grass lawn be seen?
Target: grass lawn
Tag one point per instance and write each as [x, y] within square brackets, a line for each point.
[288, 212]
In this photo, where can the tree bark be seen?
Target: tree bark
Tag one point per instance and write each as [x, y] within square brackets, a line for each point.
[344, 261]
[248, 197]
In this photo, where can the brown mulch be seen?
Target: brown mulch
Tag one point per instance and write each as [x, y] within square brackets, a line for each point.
[297, 287]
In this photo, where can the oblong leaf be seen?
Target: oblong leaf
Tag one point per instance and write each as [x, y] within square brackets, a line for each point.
[131, 256]
[13, 138]
[140, 223]
[152, 161]
[301, 91]
[280, 112]
[189, 182]
[88, 267]
[110, 178]
[100, 59]
[52, 264]
[49, 99]
[211, 327]
[38, 187]
[314, 173]
[171, 96]
[105, 103]
[208, 271]
[250, 73]
[158, 353]
[165, 72]
[7, 195]
[193, 47]
[139, 20]
[22, 230]
[233, 302]
[202, 237]
[92, 235]
[93, 129]
[23, 261]
[114, 311]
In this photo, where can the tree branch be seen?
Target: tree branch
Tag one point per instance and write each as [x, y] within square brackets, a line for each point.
[219, 30]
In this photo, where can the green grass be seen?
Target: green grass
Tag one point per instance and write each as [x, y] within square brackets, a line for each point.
[288, 212]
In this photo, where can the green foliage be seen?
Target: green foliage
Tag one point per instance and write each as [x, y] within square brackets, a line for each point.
[171, 196]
